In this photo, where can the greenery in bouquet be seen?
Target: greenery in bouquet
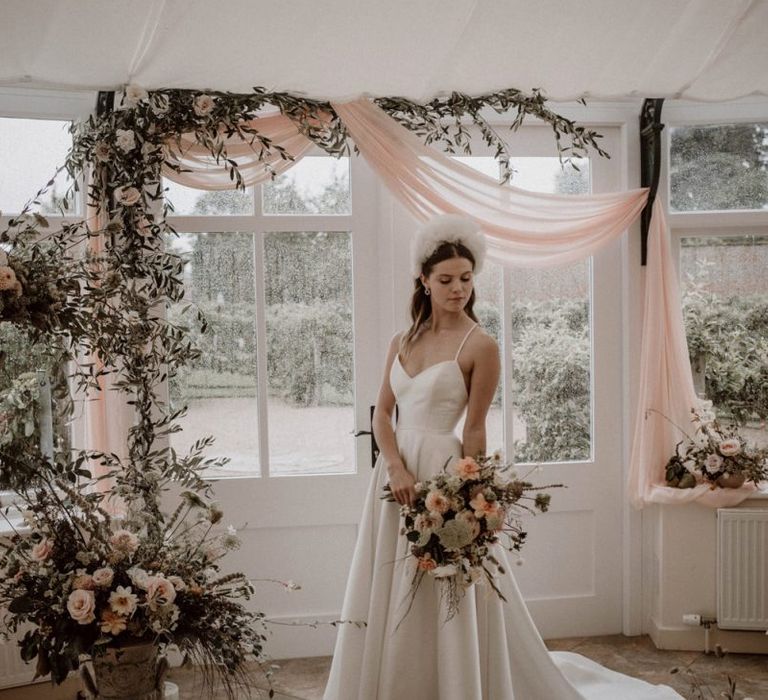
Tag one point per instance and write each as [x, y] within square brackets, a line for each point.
[714, 453]
[459, 515]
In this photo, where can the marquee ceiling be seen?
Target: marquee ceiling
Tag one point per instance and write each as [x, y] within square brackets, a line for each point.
[337, 49]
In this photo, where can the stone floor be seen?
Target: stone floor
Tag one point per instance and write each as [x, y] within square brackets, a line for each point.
[304, 679]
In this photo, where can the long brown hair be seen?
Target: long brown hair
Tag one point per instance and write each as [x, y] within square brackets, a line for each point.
[421, 303]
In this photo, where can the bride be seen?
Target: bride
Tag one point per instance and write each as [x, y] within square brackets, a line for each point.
[491, 650]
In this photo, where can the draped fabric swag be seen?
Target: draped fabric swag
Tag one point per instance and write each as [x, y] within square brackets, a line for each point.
[524, 229]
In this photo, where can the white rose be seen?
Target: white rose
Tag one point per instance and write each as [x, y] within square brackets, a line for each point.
[713, 463]
[203, 105]
[730, 447]
[135, 94]
[42, 550]
[139, 577]
[127, 196]
[160, 592]
[81, 605]
[125, 140]
[103, 577]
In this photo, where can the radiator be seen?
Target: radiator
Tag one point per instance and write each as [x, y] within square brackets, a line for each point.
[742, 569]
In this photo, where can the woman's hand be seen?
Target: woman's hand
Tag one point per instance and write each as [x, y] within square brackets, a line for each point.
[401, 483]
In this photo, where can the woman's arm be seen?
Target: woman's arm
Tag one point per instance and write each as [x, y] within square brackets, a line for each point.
[483, 383]
[400, 479]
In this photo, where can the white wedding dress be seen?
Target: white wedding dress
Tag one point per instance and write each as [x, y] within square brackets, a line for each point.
[490, 650]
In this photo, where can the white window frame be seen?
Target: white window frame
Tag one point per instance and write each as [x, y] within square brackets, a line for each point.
[360, 222]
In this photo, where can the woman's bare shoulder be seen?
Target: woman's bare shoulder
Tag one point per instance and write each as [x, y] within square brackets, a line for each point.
[483, 344]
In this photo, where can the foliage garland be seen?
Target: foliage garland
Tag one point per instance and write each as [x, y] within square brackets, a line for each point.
[96, 287]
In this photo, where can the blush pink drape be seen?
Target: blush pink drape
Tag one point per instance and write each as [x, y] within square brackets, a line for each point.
[255, 162]
[527, 229]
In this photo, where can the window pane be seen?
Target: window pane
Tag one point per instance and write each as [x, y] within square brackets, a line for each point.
[308, 280]
[314, 185]
[187, 201]
[30, 152]
[551, 334]
[220, 387]
[549, 313]
[725, 302]
[719, 167]
[551, 352]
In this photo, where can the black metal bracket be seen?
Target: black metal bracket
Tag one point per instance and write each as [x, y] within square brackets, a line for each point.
[374, 446]
[650, 164]
[105, 103]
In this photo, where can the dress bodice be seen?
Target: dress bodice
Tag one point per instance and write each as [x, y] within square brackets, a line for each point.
[432, 400]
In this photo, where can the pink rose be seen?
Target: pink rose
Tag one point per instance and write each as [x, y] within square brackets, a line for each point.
[730, 447]
[81, 605]
[124, 541]
[42, 550]
[160, 592]
[127, 196]
[102, 152]
[83, 581]
[437, 502]
[103, 577]
[7, 278]
[467, 469]
[203, 105]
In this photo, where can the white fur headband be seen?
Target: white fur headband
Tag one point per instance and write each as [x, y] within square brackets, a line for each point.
[447, 227]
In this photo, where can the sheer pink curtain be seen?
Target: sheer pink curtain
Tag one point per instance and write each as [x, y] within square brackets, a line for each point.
[524, 229]
[255, 163]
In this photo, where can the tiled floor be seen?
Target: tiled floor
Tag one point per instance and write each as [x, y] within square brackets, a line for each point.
[304, 679]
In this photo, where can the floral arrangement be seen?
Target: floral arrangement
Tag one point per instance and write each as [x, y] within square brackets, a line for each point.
[459, 515]
[87, 581]
[715, 454]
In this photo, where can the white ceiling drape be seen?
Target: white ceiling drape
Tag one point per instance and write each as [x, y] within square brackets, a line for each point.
[599, 49]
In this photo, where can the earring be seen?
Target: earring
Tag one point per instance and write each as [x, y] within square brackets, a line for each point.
[426, 291]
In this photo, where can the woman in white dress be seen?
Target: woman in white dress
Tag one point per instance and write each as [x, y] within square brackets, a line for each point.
[490, 650]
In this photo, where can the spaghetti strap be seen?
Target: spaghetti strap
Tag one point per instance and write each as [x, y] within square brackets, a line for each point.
[464, 341]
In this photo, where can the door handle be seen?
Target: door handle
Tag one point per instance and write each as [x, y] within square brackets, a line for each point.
[374, 446]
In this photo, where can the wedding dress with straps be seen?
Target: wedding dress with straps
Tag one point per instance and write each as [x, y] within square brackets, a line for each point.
[490, 650]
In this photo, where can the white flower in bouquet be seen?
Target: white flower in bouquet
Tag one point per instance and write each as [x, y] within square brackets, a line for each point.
[139, 577]
[81, 605]
[135, 94]
[203, 105]
[124, 541]
[125, 140]
[103, 577]
[123, 600]
[42, 550]
[730, 447]
[713, 463]
[445, 571]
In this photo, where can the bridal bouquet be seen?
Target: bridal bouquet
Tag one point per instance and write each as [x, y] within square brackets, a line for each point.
[456, 518]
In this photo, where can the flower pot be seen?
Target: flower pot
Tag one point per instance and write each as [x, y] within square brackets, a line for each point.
[731, 481]
[134, 672]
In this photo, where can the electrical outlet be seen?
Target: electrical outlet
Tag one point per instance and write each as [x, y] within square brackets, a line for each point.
[692, 619]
